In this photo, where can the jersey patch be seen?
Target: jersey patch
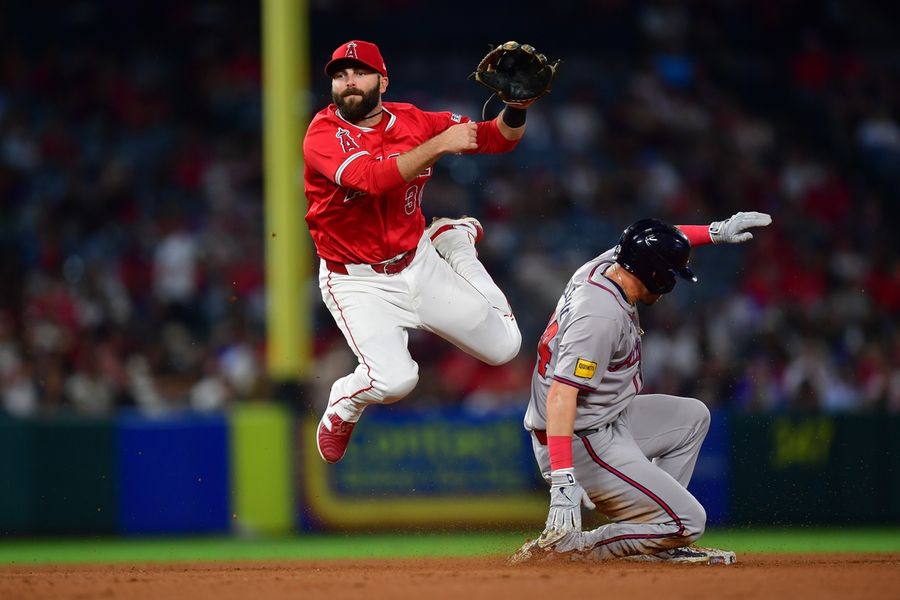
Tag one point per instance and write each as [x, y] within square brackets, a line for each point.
[455, 118]
[585, 368]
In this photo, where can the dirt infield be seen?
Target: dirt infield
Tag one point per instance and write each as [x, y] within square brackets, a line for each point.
[791, 577]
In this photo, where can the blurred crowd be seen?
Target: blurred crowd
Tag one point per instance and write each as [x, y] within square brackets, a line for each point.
[131, 205]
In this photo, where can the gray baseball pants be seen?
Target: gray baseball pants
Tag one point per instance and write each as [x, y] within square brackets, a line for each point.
[636, 470]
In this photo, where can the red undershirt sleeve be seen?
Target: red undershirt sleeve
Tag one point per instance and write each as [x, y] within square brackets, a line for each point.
[697, 235]
[491, 141]
[351, 167]
[370, 176]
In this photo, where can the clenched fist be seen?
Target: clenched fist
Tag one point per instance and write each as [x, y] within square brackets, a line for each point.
[460, 138]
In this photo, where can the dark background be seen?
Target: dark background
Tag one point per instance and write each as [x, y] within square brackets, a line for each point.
[131, 246]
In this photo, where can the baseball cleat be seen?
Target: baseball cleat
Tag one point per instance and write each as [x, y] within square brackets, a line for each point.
[332, 437]
[541, 550]
[532, 552]
[693, 555]
[529, 552]
[470, 225]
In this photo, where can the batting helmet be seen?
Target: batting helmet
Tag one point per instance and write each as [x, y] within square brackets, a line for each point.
[655, 252]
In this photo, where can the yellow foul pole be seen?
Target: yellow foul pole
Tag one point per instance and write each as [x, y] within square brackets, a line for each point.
[285, 50]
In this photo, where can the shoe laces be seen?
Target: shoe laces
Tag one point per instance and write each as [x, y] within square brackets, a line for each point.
[341, 427]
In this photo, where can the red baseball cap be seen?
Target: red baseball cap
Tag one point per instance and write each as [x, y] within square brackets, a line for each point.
[366, 53]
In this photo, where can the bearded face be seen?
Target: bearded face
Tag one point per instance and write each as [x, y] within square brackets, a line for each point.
[355, 103]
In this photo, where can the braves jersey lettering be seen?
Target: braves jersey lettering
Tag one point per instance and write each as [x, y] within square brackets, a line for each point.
[631, 360]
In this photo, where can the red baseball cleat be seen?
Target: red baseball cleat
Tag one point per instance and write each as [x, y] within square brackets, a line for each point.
[332, 437]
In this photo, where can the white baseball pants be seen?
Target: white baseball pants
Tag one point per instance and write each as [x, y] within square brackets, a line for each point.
[460, 303]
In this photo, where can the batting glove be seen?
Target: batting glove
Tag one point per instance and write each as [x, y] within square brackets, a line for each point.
[566, 499]
[734, 229]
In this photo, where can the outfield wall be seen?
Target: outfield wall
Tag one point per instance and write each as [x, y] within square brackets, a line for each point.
[256, 470]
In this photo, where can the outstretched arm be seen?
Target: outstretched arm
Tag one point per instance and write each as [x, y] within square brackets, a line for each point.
[733, 230]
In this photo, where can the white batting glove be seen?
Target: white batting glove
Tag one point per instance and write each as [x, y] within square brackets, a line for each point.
[566, 499]
[733, 230]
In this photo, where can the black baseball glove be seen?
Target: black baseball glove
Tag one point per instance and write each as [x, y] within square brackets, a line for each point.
[516, 72]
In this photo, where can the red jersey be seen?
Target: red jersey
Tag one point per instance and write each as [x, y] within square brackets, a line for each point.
[360, 208]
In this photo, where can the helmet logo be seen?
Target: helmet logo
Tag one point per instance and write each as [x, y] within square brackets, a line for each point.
[351, 50]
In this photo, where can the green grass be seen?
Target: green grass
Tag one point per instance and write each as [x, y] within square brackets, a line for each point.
[305, 546]
[882, 539]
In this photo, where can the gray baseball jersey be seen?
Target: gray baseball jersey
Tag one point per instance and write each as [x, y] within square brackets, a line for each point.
[633, 453]
[592, 343]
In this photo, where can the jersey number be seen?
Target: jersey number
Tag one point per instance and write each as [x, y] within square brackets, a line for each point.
[544, 354]
[413, 199]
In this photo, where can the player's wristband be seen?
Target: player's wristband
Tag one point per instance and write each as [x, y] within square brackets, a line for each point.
[513, 116]
[560, 447]
[697, 235]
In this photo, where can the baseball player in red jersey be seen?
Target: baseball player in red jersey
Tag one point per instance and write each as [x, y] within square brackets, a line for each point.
[598, 441]
[381, 271]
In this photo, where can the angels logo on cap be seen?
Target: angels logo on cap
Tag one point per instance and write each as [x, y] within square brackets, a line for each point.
[356, 51]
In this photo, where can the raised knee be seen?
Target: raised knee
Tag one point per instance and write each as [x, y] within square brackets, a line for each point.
[396, 384]
[505, 349]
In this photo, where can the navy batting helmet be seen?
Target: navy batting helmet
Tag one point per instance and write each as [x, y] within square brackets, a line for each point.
[655, 252]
